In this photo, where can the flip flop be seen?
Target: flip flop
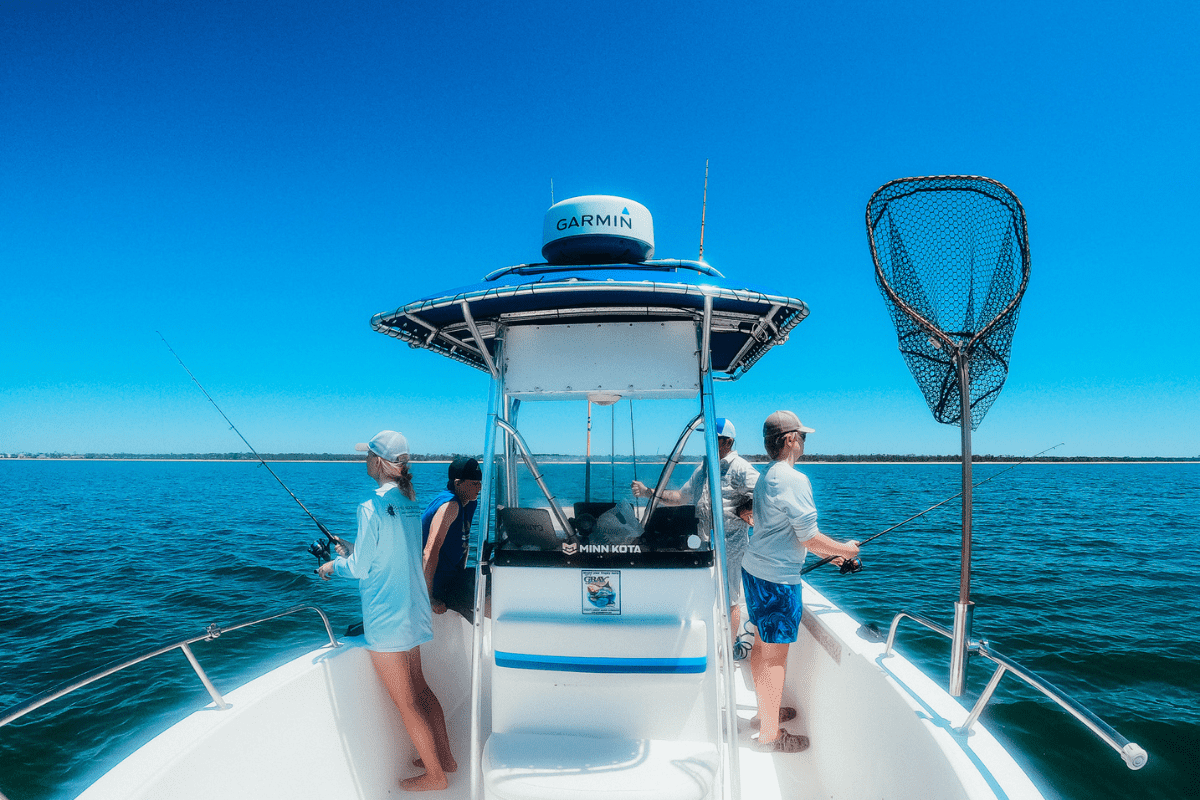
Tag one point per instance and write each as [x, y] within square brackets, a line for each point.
[784, 743]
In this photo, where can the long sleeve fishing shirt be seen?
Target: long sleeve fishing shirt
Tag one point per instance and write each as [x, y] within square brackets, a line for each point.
[784, 519]
[386, 562]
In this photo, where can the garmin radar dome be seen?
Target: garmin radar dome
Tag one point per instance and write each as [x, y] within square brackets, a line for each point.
[597, 229]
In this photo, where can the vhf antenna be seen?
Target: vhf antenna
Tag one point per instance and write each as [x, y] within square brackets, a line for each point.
[324, 530]
[703, 208]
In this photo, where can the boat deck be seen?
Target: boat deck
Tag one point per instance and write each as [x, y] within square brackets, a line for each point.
[322, 726]
[791, 775]
[772, 775]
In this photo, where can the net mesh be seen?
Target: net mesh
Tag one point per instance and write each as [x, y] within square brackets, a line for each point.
[952, 261]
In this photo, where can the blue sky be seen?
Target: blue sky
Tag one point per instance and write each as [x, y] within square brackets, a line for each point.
[256, 180]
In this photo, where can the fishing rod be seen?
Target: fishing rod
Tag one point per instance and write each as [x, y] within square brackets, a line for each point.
[852, 565]
[633, 440]
[318, 548]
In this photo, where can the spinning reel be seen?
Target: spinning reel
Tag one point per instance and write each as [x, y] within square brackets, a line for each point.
[848, 567]
[320, 550]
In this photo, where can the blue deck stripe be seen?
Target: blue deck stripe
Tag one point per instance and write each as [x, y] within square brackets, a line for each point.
[589, 664]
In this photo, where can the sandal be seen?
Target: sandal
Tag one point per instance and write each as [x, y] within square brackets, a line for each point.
[785, 743]
[786, 714]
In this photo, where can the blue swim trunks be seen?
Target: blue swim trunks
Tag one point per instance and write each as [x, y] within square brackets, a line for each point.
[775, 608]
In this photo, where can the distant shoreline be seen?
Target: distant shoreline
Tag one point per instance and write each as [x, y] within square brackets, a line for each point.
[599, 461]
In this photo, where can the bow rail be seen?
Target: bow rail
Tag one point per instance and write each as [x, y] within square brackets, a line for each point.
[210, 633]
[1132, 754]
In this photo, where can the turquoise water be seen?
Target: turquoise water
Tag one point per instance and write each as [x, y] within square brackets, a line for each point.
[1085, 573]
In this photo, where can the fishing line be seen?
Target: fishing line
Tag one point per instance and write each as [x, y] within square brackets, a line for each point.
[633, 443]
[856, 565]
[312, 548]
[612, 449]
[587, 464]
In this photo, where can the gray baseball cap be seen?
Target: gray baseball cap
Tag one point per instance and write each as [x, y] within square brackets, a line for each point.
[782, 422]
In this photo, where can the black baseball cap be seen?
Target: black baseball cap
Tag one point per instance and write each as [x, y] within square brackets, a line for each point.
[464, 468]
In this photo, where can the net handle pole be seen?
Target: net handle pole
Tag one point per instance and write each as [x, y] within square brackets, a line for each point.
[964, 606]
[964, 384]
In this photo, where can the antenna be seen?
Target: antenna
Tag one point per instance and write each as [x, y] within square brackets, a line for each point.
[703, 208]
[552, 191]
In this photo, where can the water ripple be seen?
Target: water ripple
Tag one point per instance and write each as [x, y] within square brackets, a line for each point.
[1086, 573]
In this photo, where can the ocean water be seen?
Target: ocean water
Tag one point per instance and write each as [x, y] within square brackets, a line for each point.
[1085, 573]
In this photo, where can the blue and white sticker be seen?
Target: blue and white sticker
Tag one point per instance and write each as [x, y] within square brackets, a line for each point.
[601, 591]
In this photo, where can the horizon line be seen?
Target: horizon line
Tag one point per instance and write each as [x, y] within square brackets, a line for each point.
[568, 457]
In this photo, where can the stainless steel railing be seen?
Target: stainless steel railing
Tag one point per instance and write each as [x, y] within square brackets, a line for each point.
[210, 633]
[1133, 755]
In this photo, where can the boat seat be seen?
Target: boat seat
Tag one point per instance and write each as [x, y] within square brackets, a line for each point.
[538, 766]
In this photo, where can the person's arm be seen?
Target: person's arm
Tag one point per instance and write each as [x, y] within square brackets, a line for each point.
[358, 563]
[739, 498]
[443, 518]
[668, 497]
[676, 497]
[748, 477]
[745, 510]
[803, 515]
[825, 547]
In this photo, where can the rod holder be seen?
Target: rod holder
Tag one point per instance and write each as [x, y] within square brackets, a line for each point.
[963, 615]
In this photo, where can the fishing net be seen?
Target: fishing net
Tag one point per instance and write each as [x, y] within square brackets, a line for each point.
[952, 260]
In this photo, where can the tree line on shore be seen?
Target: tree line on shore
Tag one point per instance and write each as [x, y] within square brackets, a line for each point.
[656, 459]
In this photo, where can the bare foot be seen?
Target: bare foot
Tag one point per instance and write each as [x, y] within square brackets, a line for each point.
[424, 783]
[448, 765]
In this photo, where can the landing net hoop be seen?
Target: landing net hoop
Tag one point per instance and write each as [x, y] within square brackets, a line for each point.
[951, 255]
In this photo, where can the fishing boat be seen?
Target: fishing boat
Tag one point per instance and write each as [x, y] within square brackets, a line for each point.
[607, 667]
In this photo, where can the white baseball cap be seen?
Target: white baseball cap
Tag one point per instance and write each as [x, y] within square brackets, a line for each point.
[725, 429]
[388, 445]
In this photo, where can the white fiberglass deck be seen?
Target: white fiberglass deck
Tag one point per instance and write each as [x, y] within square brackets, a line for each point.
[322, 727]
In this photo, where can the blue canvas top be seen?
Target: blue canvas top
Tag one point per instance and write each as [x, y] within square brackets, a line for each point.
[746, 322]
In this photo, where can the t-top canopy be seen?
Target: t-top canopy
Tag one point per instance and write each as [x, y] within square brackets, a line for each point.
[745, 324]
